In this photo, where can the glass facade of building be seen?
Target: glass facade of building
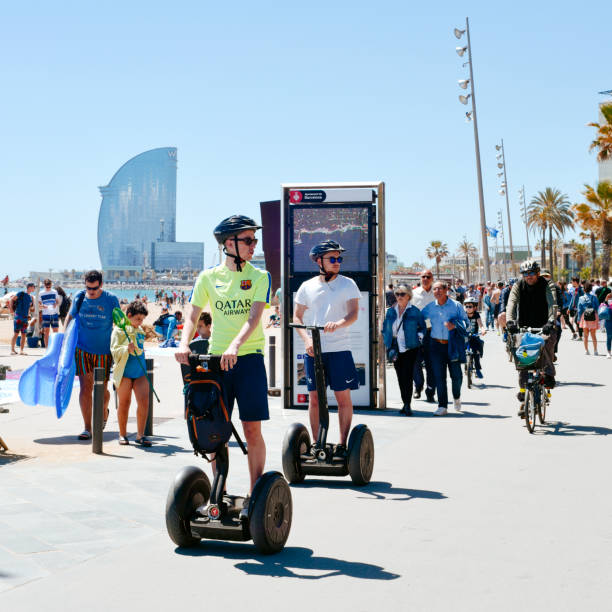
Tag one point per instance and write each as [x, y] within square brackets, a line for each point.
[138, 208]
[176, 256]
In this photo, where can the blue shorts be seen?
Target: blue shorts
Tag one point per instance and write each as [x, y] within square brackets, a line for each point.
[20, 326]
[247, 383]
[51, 321]
[340, 371]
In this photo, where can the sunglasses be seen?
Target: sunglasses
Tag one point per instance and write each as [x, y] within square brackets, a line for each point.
[469, 305]
[427, 276]
[529, 273]
[248, 241]
[88, 288]
[401, 294]
[336, 260]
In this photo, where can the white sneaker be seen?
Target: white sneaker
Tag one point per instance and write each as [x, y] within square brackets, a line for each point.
[587, 352]
[609, 356]
[595, 352]
[457, 405]
[441, 411]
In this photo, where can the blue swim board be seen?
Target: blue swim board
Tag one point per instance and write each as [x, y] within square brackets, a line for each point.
[36, 384]
[66, 368]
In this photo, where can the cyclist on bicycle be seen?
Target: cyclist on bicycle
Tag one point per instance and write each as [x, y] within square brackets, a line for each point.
[238, 293]
[532, 304]
[474, 328]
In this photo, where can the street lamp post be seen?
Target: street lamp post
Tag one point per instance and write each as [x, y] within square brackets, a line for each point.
[524, 211]
[500, 221]
[472, 116]
[504, 191]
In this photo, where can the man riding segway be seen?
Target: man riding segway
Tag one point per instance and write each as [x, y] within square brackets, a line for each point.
[238, 293]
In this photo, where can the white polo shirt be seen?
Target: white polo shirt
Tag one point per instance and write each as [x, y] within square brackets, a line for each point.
[420, 297]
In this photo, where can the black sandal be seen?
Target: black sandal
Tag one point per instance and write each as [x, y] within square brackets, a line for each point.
[123, 440]
[143, 441]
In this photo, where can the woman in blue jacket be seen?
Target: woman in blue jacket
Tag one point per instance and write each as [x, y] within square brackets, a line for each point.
[403, 331]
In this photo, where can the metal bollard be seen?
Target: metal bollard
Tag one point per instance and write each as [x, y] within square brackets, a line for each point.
[272, 390]
[98, 411]
[149, 425]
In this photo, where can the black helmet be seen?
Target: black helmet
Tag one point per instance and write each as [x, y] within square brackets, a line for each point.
[232, 226]
[327, 246]
[531, 265]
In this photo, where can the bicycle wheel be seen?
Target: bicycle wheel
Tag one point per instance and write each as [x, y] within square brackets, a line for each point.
[469, 368]
[530, 410]
[542, 405]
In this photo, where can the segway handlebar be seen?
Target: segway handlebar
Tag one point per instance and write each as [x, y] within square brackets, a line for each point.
[308, 327]
[196, 358]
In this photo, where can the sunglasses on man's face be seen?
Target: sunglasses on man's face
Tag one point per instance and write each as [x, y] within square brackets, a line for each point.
[89, 288]
[248, 241]
[426, 276]
[525, 274]
[334, 259]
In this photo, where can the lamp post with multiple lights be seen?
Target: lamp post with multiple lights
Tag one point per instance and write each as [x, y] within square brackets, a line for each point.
[471, 116]
[523, 205]
[500, 223]
[501, 163]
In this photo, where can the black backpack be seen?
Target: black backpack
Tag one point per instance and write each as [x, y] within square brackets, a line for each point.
[208, 421]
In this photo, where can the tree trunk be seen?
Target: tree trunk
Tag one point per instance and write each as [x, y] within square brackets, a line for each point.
[550, 252]
[606, 240]
[592, 253]
[543, 258]
[437, 267]
[467, 269]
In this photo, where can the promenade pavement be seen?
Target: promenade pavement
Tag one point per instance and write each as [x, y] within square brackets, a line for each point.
[464, 512]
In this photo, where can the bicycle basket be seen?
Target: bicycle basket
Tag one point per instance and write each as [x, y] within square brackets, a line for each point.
[528, 351]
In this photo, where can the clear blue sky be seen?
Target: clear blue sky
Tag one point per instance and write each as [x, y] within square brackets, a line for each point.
[258, 93]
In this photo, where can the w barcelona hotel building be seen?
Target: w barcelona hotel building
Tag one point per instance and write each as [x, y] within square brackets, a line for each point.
[137, 222]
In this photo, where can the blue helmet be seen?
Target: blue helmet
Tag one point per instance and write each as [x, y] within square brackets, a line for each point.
[327, 246]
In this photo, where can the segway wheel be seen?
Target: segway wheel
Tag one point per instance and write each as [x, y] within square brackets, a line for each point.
[361, 455]
[270, 513]
[295, 444]
[190, 489]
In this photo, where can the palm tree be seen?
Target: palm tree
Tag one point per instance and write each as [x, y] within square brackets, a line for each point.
[550, 210]
[588, 223]
[466, 249]
[603, 137]
[579, 253]
[437, 250]
[599, 204]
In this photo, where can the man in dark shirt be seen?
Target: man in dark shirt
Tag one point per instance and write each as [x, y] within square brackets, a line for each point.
[532, 304]
[20, 307]
[390, 297]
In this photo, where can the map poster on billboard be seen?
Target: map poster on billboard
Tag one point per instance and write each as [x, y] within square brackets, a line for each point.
[359, 334]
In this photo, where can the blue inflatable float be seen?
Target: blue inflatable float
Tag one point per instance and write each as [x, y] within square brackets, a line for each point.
[49, 381]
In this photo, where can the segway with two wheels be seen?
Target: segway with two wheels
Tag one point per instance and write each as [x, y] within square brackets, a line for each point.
[197, 510]
[301, 458]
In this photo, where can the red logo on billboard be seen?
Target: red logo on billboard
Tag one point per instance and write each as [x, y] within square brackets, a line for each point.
[302, 398]
[295, 196]
[245, 285]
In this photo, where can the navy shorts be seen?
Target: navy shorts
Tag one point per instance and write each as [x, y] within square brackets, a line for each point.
[51, 321]
[20, 326]
[340, 371]
[247, 383]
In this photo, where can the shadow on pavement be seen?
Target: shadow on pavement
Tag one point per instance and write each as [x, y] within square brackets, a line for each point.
[375, 490]
[488, 386]
[466, 414]
[560, 383]
[288, 563]
[166, 450]
[8, 457]
[559, 428]
[108, 436]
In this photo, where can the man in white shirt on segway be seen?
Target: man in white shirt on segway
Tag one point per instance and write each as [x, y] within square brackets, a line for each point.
[330, 300]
